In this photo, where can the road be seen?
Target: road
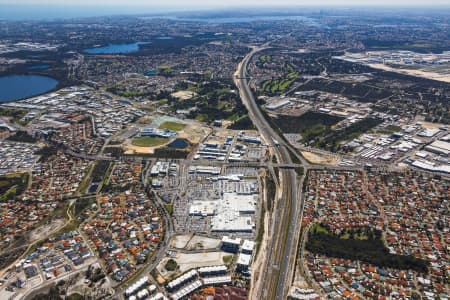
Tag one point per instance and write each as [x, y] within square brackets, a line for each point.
[280, 259]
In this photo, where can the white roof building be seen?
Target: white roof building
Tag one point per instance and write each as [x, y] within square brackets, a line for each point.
[244, 204]
[244, 259]
[439, 147]
[248, 246]
[228, 240]
[203, 208]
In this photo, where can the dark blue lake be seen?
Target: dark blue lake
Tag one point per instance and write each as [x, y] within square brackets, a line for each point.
[116, 48]
[179, 144]
[93, 188]
[15, 87]
[38, 67]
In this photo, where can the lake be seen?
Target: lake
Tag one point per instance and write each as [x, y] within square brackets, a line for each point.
[151, 72]
[116, 48]
[179, 144]
[15, 87]
[38, 67]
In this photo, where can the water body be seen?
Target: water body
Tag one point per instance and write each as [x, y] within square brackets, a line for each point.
[151, 72]
[15, 87]
[93, 188]
[164, 38]
[179, 144]
[37, 56]
[38, 67]
[116, 48]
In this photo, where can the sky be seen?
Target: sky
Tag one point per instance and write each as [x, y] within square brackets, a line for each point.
[65, 9]
[212, 3]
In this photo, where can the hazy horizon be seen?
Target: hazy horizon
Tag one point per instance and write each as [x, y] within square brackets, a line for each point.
[229, 3]
[52, 9]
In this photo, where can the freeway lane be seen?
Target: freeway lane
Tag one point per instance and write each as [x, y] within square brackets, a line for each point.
[280, 257]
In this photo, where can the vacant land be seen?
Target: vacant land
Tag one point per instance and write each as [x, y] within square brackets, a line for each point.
[180, 241]
[320, 159]
[196, 260]
[174, 126]
[201, 242]
[184, 95]
[308, 124]
[147, 141]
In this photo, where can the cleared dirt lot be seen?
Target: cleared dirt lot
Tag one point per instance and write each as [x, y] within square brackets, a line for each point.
[201, 242]
[43, 231]
[320, 158]
[194, 242]
[188, 261]
[180, 241]
[184, 95]
[418, 73]
[194, 132]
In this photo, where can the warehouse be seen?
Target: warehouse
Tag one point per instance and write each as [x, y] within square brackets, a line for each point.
[439, 147]
[278, 104]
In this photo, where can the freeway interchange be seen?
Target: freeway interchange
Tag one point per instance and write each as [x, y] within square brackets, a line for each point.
[280, 255]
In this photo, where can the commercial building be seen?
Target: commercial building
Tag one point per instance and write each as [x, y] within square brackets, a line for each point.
[439, 147]
[203, 208]
[244, 204]
[232, 222]
[204, 170]
[154, 132]
[247, 247]
[243, 262]
[230, 244]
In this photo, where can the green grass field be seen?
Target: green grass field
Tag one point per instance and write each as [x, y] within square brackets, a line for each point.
[279, 85]
[147, 141]
[174, 126]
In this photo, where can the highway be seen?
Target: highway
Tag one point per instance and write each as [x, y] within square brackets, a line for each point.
[280, 259]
